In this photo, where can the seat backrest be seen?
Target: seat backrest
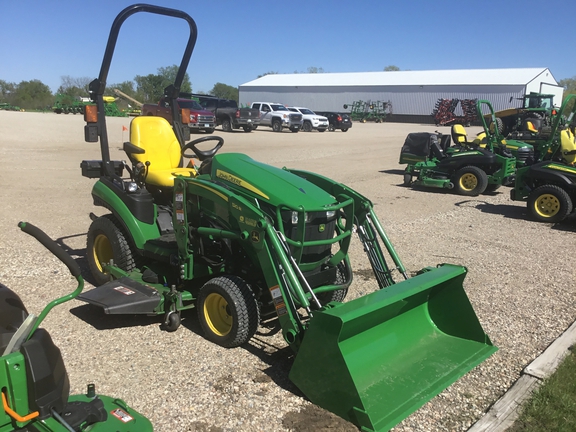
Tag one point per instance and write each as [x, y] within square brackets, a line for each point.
[531, 125]
[459, 135]
[156, 137]
[568, 146]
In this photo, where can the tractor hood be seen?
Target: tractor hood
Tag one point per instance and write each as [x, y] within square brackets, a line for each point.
[265, 182]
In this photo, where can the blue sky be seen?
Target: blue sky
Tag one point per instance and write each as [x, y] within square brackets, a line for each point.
[239, 40]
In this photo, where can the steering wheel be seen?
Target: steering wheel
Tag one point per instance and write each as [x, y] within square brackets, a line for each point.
[202, 154]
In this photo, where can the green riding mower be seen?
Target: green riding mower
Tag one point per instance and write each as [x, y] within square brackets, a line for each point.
[245, 243]
[469, 167]
[35, 385]
[549, 186]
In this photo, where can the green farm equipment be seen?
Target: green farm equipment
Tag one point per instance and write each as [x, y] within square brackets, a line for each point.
[549, 185]
[65, 104]
[470, 167]
[245, 243]
[35, 385]
[535, 106]
[362, 111]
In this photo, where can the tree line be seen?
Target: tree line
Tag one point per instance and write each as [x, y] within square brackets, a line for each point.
[35, 95]
[149, 88]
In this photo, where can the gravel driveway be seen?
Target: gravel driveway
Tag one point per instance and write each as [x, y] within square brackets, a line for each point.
[520, 282]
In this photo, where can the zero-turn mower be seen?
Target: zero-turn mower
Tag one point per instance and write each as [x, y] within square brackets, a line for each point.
[35, 385]
[469, 167]
[243, 242]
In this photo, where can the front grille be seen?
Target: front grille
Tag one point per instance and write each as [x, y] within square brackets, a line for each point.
[205, 119]
[295, 117]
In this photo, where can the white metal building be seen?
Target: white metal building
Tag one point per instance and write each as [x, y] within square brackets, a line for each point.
[412, 94]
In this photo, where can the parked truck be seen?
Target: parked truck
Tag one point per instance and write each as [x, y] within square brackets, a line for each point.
[278, 117]
[228, 114]
[200, 119]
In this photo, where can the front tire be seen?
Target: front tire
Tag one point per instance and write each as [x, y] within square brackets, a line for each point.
[470, 181]
[307, 127]
[345, 130]
[247, 129]
[331, 128]
[549, 203]
[228, 311]
[107, 241]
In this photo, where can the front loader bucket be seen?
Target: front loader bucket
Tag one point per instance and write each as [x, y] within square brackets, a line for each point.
[378, 358]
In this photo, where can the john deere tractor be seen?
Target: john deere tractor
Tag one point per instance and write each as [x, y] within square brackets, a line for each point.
[243, 242]
[469, 167]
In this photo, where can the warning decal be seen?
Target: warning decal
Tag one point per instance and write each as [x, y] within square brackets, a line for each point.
[124, 290]
[121, 415]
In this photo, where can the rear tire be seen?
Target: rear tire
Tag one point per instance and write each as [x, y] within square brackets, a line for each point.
[106, 241]
[228, 311]
[549, 203]
[470, 181]
[226, 125]
[277, 126]
[247, 129]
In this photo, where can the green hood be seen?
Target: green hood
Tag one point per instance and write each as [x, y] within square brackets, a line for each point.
[274, 185]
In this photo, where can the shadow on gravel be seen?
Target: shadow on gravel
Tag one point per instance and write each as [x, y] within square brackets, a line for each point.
[96, 317]
[393, 171]
[312, 418]
[508, 211]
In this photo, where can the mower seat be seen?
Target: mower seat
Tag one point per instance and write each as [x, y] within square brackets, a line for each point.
[459, 136]
[532, 125]
[161, 148]
[568, 146]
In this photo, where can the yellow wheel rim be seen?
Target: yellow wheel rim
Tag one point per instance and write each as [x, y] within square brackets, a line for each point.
[547, 205]
[468, 181]
[102, 251]
[217, 314]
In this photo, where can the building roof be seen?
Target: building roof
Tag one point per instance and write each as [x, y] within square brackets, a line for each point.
[517, 76]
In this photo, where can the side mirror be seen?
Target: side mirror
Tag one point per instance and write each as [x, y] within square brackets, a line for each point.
[345, 106]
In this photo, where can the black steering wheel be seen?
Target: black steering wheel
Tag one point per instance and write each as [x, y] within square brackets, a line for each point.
[202, 154]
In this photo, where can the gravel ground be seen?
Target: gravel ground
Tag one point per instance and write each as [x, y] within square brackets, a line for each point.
[519, 282]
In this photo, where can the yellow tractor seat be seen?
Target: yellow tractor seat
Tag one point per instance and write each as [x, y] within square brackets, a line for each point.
[161, 148]
[459, 135]
[568, 146]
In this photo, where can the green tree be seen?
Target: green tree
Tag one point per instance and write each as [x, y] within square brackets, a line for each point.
[569, 85]
[225, 91]
[150, 88]
[268, 73]
[391, 68]
[7, 91]
[314, 69]
[33, 94]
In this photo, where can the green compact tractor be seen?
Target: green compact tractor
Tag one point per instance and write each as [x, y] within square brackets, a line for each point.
[245, 243]
[469, 167]
[35, 385]
[535, 106]
[549, 186]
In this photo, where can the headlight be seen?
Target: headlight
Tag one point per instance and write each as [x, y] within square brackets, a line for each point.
[330, 214]
[295, 218]
[131, 187]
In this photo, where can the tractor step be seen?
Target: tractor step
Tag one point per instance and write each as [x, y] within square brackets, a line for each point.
[123, 296]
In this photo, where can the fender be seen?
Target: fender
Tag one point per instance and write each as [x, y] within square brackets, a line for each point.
[138, 217]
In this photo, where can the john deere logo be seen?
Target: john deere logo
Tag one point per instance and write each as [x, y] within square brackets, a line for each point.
[321, 228]
[255, 236]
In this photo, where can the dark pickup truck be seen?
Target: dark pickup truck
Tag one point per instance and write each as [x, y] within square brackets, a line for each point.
[228, 114]
[200, 119]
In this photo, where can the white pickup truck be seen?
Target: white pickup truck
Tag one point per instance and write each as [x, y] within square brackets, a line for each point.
[311, 120]
[278, 117]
